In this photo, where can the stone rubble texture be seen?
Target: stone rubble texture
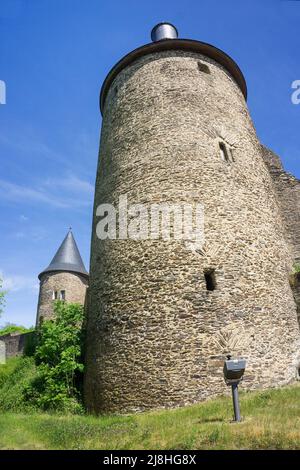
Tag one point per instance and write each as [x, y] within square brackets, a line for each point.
[288, 197]
[156, 337]
[73, 284]
[13, 344]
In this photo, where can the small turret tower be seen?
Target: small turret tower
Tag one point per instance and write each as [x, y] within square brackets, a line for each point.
[64, 279]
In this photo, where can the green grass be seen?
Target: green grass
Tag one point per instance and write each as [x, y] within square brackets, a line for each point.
[271, 421]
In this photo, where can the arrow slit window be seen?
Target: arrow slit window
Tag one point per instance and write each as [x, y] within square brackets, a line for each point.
[226, 152]
[210, 279]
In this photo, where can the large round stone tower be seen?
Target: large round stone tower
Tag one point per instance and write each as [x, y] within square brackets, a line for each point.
[64, 279]
[176, 130]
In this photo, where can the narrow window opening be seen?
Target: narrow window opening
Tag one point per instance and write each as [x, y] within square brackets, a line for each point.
[62, 295]
[54, 295]
[223, 152]
[203, 68]
[210, 279]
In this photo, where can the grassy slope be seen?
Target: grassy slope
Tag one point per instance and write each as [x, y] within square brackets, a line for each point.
[272, 421]
[15, 375]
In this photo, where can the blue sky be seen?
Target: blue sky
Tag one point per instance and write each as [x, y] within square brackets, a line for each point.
[54, 56]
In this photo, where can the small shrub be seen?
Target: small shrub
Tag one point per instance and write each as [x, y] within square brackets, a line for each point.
[294, 277]
[12, 328]
[296, 268]
[30, 344]
[57, 385]
[2, 297]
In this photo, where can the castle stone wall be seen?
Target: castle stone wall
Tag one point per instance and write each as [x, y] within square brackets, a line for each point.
[74, 285]
[156, 336]
[14, 344]
[288, 195]
[287, 189]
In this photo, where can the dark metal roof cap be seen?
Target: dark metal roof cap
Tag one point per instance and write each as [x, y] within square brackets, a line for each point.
[163, 31]
[67, 258]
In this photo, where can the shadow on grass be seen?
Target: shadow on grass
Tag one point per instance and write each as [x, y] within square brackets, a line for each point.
[213, 420]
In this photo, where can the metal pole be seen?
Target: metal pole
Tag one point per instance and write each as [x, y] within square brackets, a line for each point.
[235, 399]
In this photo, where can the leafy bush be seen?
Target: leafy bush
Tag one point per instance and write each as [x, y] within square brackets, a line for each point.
[30, 344]
[15, 376]
[294, 276]
[58, 357]
[2, 297]
[12, 328]
[296, 268]
[51, 378]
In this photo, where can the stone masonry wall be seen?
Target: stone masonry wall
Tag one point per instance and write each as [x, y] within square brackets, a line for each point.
[288, 195]
[156, 336]
[15, 343]
[74, 285]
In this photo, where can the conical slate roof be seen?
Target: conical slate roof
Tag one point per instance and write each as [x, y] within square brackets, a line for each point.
[67, 258]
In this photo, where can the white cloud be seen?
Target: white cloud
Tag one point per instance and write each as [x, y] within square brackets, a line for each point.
[73, 192]
[33, 233]
[17, 193]
[71, 183]
[19, 235]
[28, 142]
[13, 283]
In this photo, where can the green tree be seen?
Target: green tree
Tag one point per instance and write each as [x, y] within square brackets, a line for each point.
[2, 297]
[58, 357]
[13, 328]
